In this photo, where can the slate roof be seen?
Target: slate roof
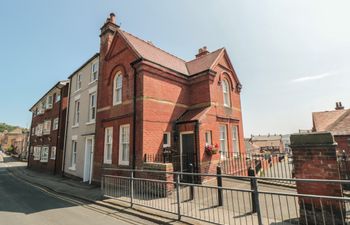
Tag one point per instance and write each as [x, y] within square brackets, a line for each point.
[152, 53]
[336, 121]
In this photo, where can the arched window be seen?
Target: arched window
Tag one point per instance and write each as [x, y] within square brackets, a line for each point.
[117, 89]
[226, 93]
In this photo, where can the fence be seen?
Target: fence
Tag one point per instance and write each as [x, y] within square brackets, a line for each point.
[227, 199]
[275, 165]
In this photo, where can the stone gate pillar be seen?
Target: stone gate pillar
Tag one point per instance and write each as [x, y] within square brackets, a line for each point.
[314, 157]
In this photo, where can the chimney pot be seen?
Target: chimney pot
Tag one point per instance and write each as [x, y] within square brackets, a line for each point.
[338, 106]
[112, 18]
[202, 51]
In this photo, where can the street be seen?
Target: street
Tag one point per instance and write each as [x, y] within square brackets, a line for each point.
[23, 203]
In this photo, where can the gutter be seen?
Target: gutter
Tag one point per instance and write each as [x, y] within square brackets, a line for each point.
[134, 114]
[66, 127]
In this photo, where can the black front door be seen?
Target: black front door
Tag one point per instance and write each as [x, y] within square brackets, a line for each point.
[187, 153]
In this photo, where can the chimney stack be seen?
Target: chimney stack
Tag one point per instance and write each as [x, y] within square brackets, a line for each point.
[202, 51]
[338, 106]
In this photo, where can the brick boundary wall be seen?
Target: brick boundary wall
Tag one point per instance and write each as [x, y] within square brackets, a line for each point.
[314, 157]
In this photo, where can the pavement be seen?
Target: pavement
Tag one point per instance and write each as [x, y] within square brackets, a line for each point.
[29, 197]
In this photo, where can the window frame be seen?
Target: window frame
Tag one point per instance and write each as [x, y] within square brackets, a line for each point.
[76, 118]
[47, 127]
[93, 73]
[92, 107]
[73, 163]
[117, 99]
[235, 139]
[168, 134]
[210, 142]
[223, 147]
[37, 153]
[44, 157]
[53, 153]
[122, 143]
[78, 82]
[55, 124]
[108, 131]
[226, 93]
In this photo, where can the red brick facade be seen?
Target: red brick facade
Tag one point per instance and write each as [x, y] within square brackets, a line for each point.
[169, 98]
[56, 136]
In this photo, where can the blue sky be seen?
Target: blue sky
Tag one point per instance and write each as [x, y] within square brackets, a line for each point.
[292, 57]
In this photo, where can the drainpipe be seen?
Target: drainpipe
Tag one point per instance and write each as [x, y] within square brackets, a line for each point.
[58, 130]
[134, 114]
[66, 127]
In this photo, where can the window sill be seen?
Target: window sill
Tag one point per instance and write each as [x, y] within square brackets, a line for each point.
[92, 82]
[76, 91]
[44, 161]
[117, 103]
[123, 163]
[75, 126]
[52, 158]
[72, 168]
[90, 122]
[107, 162]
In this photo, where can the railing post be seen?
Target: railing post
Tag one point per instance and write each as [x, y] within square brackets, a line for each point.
[132, 189]
[255, 195]
[192, 182]
[219, 183]
[178, 198]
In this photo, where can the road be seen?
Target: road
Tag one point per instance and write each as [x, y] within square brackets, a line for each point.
[23, 203]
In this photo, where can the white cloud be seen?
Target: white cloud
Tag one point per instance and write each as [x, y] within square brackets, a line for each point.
[314, 77]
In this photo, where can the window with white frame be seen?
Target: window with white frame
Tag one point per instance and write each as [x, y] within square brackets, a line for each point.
[108, 148]
[235, 139]
[166, 139]
[44, 156]
[78, 82]
[58, 97]
[223, 140]
[94, 72]
[41, 109]
[76, 112]
[117, 89]
[226, 93]
[73, 160]
[33, 131]
[47, 127]
[36, 153]
[124, 146]
[53, 152]
[208, 137]
[49, 102]
[39, 130]
[92, 107]
[55, 124]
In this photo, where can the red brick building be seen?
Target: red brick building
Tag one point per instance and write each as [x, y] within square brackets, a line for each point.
[150, 100]
[337, 122]
[48, 130]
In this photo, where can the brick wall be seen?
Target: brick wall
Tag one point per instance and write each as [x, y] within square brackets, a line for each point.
[314, 157]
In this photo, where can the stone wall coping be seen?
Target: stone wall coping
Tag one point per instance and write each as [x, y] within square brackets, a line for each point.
[317, 139]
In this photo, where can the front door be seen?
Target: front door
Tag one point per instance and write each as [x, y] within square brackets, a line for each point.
[89, 151]
[187, 152]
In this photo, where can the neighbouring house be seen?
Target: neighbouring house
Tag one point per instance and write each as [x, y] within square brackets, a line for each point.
[21, 144]
[150, 101]
[16, 138]
[267, 143]
[337, 122]
[81, 119]
[48, 129]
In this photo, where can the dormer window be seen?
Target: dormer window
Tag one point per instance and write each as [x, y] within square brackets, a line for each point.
[226, 93]
[117, 89]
